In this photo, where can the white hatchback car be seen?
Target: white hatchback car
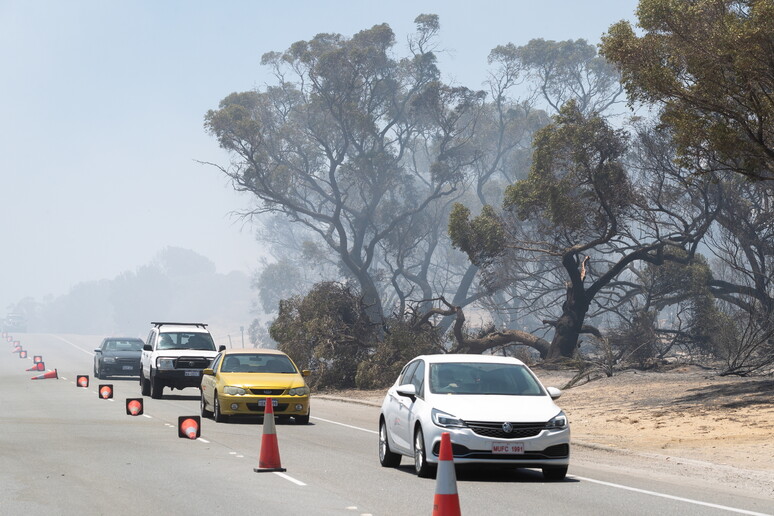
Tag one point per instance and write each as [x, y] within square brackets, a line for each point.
[495, 409]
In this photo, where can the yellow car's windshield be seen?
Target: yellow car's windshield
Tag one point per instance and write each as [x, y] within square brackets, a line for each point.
[257, 363]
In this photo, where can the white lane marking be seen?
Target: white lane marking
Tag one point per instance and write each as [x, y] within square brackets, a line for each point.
[671, 497]
[348, 426]
[146, 415]
[203, 440]
[73, 345]
[288, 477]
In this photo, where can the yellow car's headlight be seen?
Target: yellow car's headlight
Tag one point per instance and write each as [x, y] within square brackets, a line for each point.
[299, 391]
[234, 391]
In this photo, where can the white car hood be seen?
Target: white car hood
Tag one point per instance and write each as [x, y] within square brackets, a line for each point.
[515, 409]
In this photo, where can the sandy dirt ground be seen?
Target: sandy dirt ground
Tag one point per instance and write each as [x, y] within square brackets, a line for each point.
[688, 420]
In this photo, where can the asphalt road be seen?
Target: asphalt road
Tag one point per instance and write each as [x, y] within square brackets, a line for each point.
[66, 451]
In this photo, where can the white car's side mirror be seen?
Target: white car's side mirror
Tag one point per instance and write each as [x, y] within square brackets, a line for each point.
[554, 392]
[408, 390]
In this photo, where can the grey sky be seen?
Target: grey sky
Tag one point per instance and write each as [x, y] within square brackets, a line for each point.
[102, 109]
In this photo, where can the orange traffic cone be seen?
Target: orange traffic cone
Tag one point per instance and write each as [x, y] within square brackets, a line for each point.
[446, 501]
[34, 368]
[134, 406]
[37, 359]
[49, 374]
[106, 391]
[23, 353]
[269, 459]
[82, 380]
[189, 426]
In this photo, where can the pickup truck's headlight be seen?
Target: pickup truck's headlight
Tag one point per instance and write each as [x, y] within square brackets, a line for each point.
[109, 360]
[446, 420]
[234, 391]
[165, 363]
[558, 422]
[299, 391]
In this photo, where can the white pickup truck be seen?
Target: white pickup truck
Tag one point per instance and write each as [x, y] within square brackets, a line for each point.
[174, 356]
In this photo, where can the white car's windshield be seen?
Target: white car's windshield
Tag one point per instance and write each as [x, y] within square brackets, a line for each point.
[483, 378]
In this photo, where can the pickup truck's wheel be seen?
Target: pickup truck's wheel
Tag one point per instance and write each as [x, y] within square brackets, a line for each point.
[145, 387]
[216, 413]
[156, 387]
[203, 406]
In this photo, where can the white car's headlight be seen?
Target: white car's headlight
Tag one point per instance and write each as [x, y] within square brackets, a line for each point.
[446, 420]
[165, 363]
[109, 360]
[299, 391]
[234, 391]
[558, 422]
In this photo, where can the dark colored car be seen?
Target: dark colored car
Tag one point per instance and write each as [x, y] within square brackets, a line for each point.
[118, 356]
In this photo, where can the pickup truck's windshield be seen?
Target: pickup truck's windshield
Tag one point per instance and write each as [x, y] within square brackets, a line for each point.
[185, 340]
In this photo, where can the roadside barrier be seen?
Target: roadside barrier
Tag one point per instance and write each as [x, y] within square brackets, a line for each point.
[106, 391]
[189, 426]
[82, 380]
[134, 406]
[269, 459]
[49, 374]
[446, 501]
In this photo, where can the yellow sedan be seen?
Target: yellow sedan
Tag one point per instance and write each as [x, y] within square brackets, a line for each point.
[239, 380]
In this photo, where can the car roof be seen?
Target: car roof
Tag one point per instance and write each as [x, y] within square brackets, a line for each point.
[468, 357]
[252, 351]
[123, 338]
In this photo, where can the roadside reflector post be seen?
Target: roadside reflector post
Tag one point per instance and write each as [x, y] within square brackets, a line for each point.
[189, 426]
[106, 391]
[134, 406]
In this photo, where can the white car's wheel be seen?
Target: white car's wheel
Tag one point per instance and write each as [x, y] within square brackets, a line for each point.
[554, 473]
[421, 466]
[387, 458]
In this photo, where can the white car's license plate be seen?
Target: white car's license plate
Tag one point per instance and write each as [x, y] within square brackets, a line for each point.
[262, 403]
[192, 373]
[127, 368]
[508, 448]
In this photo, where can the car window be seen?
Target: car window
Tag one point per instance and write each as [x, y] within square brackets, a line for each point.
[257, 363]
[405, 375]
[186, 340]
[418, 378]
[483, 378]
[123, 345]
[215, 362]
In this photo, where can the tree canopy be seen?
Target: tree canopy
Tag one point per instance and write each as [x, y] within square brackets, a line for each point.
[709, 64]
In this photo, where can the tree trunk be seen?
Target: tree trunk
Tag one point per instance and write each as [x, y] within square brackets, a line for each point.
[569, 326]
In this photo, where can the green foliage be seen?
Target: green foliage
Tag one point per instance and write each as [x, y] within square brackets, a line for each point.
[577, 184]
[482, 238]
[326, 331]
[707, 62]
[401, 344]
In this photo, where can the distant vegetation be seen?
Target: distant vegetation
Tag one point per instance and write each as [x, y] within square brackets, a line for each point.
[533, 217]
[178, 285]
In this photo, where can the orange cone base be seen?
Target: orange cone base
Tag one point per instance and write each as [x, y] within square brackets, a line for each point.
[268, 470]
[269, 459]
[446, 505]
